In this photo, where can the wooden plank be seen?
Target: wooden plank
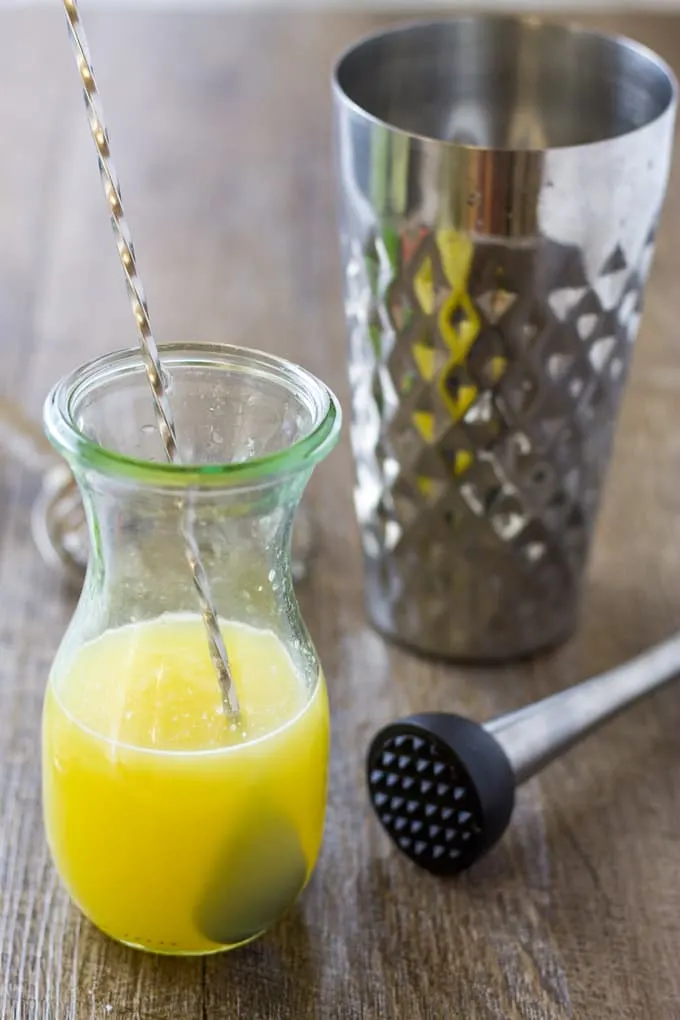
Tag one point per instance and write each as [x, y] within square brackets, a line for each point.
[221, 130]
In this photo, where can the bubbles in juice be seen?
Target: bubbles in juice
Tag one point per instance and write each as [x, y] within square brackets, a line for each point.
[171, 831]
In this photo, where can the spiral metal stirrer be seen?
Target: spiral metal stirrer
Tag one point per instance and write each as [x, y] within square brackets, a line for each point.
[152, 364]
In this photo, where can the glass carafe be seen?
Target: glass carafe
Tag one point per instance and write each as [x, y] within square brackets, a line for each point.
[172, 830]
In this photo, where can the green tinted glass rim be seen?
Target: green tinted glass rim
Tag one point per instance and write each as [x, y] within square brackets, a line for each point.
[59, 415]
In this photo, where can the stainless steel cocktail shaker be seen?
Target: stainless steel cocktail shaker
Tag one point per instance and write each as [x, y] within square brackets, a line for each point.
[501, 182]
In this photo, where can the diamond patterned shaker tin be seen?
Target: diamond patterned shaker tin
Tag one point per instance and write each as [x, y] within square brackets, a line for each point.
[500, 186]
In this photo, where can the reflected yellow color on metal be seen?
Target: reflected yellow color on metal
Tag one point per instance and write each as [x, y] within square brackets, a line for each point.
[459, 324]
[463, 461]
[458, 321]
[423, 286]
[424, 485]
[424, 422]
[455, 251]
[464, 398]
[496, 367]
[423, 355]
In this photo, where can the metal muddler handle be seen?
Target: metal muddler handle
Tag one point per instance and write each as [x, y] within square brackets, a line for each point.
[443, 786]
[149, 349]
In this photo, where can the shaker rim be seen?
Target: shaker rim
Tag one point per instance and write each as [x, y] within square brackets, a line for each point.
[532, 21]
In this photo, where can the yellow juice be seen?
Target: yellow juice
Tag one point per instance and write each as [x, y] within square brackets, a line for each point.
[170, 831]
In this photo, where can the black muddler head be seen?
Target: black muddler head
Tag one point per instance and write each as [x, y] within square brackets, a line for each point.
[442, 787]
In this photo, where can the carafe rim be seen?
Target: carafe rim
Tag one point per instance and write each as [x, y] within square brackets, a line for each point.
[81, 451]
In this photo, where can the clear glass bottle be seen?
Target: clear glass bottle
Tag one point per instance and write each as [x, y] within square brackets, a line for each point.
[171, 831]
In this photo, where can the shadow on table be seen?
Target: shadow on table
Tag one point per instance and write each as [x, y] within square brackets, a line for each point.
[253, 981]
[281, 967]
[617, 623]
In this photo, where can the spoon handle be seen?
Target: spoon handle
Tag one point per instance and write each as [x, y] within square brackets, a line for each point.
[533, 736]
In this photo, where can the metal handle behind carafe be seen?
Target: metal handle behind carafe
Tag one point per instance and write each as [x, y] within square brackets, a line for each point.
[23, 439]
[57, 517]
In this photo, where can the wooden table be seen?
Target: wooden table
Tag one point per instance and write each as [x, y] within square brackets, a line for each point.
[221, 127]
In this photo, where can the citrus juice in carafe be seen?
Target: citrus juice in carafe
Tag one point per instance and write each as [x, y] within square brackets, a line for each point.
[176, 824]
[172, 831]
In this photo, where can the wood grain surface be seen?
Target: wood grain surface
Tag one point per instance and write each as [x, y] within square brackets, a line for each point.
[221, 128]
